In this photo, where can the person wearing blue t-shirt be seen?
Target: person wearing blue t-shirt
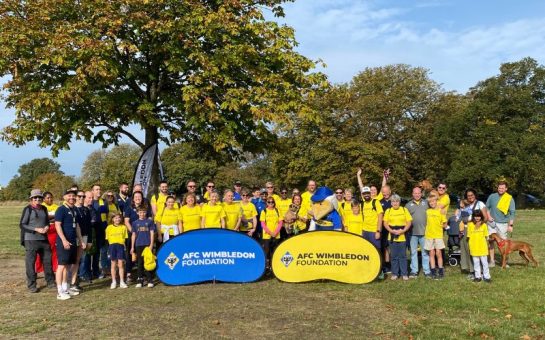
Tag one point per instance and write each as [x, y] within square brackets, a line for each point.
[143, 233]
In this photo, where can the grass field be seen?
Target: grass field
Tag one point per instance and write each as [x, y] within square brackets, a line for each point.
[512, 307]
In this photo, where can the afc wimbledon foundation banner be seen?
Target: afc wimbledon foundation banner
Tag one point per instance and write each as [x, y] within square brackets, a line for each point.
[331, 255]
[210, 255]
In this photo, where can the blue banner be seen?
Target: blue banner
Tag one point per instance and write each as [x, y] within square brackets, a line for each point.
[210, 255]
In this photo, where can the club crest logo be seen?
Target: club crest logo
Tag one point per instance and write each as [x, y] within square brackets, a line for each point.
[286, 259]
[172, 260]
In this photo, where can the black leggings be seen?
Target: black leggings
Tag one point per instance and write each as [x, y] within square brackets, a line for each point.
[140, 261]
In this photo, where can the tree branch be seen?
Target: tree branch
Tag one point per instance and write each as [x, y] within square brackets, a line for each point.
[123, 131]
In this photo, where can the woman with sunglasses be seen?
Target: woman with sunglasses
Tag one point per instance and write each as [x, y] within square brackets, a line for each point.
[34, 228]
[271, 223]
[249, 214]
[110, 199]
[212, 213]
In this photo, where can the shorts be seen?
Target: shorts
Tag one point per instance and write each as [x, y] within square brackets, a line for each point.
[498, 228]
[434, 243]
[66, 256]
[116, 251]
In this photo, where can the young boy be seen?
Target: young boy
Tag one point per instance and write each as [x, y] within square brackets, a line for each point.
[116, 233]
[143, 233]
[436, 223]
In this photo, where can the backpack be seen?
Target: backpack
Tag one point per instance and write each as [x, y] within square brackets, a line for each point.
[23, 230]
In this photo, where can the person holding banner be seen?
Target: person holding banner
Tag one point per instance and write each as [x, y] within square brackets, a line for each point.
[249, 214]
[190, 213]
[271, 223]
[212, 213]
[168, 220]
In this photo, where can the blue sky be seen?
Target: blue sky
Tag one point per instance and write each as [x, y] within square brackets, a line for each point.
[461, 42]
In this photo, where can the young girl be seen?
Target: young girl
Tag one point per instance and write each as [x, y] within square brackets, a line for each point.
[167, 220]
[477, 233]
[433, 238]
[271, 224]
[212, 213]
[116, 233]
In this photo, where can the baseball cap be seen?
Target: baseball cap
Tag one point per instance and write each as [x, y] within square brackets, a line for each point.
[238, 183]
[365, 189]
[71, 191]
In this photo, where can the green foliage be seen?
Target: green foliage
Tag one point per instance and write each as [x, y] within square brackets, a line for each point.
[19, 187]
[504, 126]
[56, 183]
[213, 72]
[254, 172]
[110, 167]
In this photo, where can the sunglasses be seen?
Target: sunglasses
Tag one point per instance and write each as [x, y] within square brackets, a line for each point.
[244, 195]
[81, 196]
[270, 187]
[441, 187]
[210, 186]
[284, 192]
[270, 202]
[339, 192]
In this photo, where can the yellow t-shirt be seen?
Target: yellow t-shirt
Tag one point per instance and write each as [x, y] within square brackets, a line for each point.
[445, 201]
[212, 215]
[249, 211]
[168, 217]
[478, 246]
[354, 223]
[283, 206]
[397, 218]
[159, 200]
[207, 196]
[345, 209]
[303, 213]
[190, 217]
[233, 212]
[116, 234]
[370, 221]
[51, 208]
[434, 224]
[112, 210]
[271, 218]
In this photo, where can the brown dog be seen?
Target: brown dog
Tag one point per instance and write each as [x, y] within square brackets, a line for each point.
[508, 246]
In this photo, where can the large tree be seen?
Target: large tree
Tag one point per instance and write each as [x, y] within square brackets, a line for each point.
[210, 71]
[20, 185]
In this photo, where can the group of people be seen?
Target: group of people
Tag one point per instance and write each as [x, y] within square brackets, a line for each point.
[92, 234]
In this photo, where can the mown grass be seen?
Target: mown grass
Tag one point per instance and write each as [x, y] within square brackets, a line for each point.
[512, 307]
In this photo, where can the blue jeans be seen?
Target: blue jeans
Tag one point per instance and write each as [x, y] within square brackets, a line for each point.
[415, 241]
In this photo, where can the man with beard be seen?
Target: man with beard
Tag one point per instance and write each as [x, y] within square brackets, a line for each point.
[372, 222]
[122, 196]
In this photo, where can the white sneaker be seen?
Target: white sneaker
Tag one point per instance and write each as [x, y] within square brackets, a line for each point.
[112, 286]
[150, 285]
[63, 296]
[138, 285]
[72, 292]
[123, 285]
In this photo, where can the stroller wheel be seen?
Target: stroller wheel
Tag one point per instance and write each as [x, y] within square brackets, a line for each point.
[452, 261]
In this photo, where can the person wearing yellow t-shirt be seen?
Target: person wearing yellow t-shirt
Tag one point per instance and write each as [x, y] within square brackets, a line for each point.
[271, 224]
[353, 221]
[158, 200]
[397, 221]
[167, 221]
[269, 186]
[233, 211]
[210, 188]
[434, 243]
[444, 199]
[109, 198]
[477, 233]
[300, 224]
[212, 213]
[51, 232]
[283, 202]
[372, 223]
[116, 234]
[311, 189]
[190, 214]
[249, 214]
[345, 206]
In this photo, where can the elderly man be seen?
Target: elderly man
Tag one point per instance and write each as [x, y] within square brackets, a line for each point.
[417, 208]
[34, 228]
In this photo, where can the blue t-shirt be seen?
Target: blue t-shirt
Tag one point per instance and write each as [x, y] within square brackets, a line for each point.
[142, 229]
[386, 204]
[132, 213]
[236, 196]
[69, 219]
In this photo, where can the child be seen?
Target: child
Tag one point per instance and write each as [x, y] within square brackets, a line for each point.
[143, 234]
[477, 233]
[353, 221]
[433, 242]
[116, 233]
[271, 224]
